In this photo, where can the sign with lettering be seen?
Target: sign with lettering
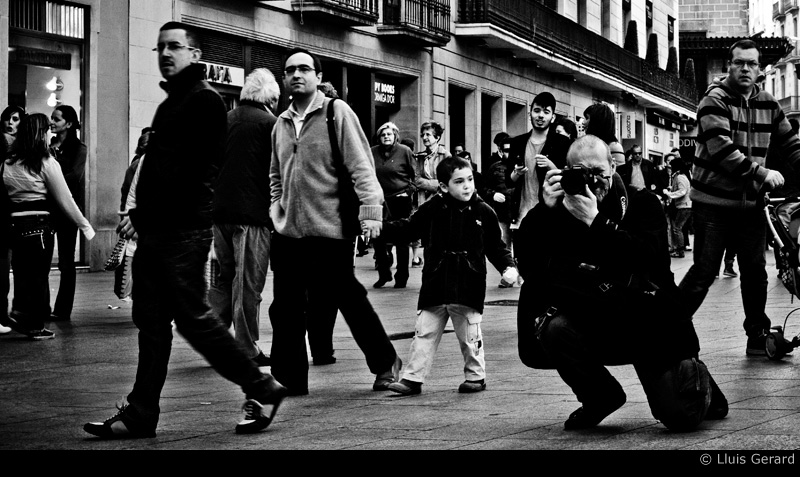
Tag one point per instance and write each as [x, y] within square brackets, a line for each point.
[38, 57]
[220, 74]
[386, 94]
[627, 125]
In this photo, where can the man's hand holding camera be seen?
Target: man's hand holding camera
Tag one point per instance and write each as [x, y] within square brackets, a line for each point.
[581, 204]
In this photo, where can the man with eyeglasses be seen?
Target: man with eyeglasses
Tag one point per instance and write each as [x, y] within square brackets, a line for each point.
[598, 291]
[312, 249]
[737, 123]
[173, 221]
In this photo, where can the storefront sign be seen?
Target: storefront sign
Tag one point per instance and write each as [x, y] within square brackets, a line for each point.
[386, 94]
[627, 125]
[230, 75]
[38, 57]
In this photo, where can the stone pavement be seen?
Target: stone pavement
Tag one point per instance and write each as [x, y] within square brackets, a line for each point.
[49, 389]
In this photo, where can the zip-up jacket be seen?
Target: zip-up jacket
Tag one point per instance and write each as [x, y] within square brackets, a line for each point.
[733, 137]
[304, 187]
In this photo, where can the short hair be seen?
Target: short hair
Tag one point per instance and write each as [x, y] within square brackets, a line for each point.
[437, 128]
[260, 86]
[635, 146]
[146, 130]
[746, 44]
[544, 100]
[499, 138]
[326, 87]
[409, 143]
[393, 127]
[588, 143]
[569, 126]
[192, 34]
[445, 169]
[314, 59]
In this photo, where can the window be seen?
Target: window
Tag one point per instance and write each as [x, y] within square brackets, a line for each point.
[670, 28]
[649, 14]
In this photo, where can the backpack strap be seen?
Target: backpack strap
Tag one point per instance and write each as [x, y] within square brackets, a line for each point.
[338, 161]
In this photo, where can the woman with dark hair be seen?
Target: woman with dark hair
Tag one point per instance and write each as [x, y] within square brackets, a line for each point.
[70, 153]
[35, 187]
[566, 127]
[600, 121]
[9, 122]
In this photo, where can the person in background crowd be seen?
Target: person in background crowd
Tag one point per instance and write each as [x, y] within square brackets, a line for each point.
[70, 153]
[426, 183]
[9, 125]
[599, 120]
[462, 153]
[242, 226]
[637, 172]
[566, 127]
[174, 223]
[33, 181]
[498, 195]
[681, 208]
[396, 171]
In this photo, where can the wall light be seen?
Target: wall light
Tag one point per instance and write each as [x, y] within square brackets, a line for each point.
[55, 84]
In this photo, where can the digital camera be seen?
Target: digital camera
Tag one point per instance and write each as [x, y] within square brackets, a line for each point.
[574, 179]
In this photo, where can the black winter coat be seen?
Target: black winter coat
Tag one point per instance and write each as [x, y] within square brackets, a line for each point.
[460, 237]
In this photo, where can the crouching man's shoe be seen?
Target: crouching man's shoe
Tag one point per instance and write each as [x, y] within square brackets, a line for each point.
[119, 426]
[472, 386]
[586, 417]
[255, 418]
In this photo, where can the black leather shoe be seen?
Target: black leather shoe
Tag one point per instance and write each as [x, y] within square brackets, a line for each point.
[380, 283]
[262, 359]
[586, 417]
[399, 284]
[118, 426]
[324, 361]
[255, 419]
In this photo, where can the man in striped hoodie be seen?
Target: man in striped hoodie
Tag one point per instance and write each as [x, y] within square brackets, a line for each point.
[737, 123]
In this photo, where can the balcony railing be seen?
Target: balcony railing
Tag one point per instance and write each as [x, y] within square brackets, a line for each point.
[353, 12]
[790, 103]
[428, 20]
[551, 31]
[788, 5]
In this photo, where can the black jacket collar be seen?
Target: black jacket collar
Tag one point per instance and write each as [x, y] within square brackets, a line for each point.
[184, 80]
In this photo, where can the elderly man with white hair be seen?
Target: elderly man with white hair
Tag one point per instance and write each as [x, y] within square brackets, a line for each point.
[242, 226]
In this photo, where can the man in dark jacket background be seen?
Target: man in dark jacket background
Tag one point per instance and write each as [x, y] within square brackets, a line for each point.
[242, 226]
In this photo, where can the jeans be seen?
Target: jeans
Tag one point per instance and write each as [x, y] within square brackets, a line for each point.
[428, 333]
[312, 275]
[677, 221]
[169, 271]
[243, 255]
[744, 231]
[30, 259]
[66, 236]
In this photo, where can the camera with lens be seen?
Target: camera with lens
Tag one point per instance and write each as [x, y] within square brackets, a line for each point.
[574, 179]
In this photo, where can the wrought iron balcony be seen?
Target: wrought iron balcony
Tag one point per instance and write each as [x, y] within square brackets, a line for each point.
[423, 21]
[559, 36]
[349, 12]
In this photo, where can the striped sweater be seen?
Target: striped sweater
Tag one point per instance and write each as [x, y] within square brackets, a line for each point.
[733, 137]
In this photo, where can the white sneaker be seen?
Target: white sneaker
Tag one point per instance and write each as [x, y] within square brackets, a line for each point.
[4, 329]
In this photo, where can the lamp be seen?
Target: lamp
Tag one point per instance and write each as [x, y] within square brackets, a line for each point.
[55, 84]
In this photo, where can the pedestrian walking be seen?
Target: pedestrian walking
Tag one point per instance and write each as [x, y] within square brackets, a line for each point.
[313, 244]
[242, 227]
[173, 220]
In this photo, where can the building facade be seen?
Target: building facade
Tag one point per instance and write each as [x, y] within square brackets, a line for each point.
[472, 65]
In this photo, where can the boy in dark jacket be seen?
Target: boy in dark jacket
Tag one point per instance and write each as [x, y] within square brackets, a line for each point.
[461, 231]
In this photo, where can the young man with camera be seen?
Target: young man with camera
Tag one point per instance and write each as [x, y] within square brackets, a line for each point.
[599, 291]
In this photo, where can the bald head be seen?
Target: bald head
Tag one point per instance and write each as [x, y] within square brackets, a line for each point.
[588, 147]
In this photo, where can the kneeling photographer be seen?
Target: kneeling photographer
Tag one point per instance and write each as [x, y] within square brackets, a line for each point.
[599, 291]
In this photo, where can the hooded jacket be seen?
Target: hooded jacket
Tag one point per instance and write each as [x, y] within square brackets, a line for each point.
[733, 137]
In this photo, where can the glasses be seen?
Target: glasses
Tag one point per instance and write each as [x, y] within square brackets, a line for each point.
[172, 46]
[303, 69]
[750, 64]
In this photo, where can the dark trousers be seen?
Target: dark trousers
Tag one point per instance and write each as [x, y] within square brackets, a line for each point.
[313, 276]
[5, 282]
[170, 281]
[744, 232]
[399, 208]
[30, 258]
[66, 237]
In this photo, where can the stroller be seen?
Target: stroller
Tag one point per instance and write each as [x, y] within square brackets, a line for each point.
[783, 218]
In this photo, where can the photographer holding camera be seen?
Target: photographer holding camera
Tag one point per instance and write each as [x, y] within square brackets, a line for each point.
[599, 291]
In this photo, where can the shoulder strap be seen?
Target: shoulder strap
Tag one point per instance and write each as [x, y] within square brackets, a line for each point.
[337, 154]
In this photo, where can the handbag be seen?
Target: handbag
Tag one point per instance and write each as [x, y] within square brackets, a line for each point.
[116, 255]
